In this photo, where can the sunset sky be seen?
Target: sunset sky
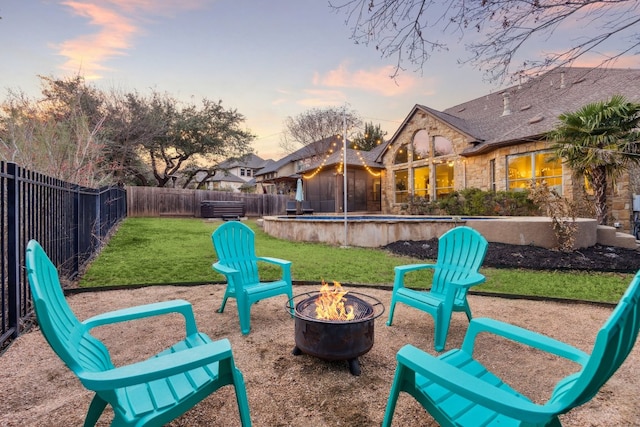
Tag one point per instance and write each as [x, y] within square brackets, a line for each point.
[267, 59]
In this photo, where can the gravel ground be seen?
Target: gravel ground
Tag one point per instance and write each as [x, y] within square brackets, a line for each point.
[36, 389]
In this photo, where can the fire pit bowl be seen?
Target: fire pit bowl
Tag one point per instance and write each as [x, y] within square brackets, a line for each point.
[335, 339]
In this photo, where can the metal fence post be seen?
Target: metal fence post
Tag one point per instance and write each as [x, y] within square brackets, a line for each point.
[13, 248]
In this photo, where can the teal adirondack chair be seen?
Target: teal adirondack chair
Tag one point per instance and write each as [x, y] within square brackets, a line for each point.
[459, 391]
[234, 244]
[461, 252]
[147, 393]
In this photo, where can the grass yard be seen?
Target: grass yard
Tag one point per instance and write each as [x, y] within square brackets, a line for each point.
[180, 251]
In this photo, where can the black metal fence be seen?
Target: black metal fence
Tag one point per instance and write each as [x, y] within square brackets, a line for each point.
[69, 221]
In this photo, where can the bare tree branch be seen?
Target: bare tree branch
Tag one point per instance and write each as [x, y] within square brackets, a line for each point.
[500, 31]
[314, 125]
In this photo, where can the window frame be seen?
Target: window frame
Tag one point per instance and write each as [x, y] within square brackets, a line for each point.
[535, 170]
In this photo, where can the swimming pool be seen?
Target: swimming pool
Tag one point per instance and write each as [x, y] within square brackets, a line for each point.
[354, 218]
[374, 231]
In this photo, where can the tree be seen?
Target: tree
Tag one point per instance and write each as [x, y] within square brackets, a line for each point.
[315, 125]
[192, 135]
[129, 125]
[499, 30]
[58, 134]
[79, 134]
[599, 142]
[372, 137]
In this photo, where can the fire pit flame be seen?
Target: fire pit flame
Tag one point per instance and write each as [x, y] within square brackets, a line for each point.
[330, 303]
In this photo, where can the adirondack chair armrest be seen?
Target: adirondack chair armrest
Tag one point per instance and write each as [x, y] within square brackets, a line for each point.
[402, 269]
[277, 261]
[157, 367]
[283, 264]
[523, 336]
[472, 388]
[147, 310]
[223, 269]
[472, 279]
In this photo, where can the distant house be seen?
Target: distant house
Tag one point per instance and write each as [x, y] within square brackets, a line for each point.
[320, 166]
[237, 175]
[281, 176]
[497, 141]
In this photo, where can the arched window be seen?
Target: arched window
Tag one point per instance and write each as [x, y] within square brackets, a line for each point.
[421, 146]
[442, 146]
[402, 155]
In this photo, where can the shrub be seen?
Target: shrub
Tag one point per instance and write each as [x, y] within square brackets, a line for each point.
[560, 210]
[476, 202]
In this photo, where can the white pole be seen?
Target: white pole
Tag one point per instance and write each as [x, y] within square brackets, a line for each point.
[344, 171]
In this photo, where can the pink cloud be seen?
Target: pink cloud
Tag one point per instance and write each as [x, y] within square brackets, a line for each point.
[594, 60]
[118, 24]
[376, 80]
[87, 53]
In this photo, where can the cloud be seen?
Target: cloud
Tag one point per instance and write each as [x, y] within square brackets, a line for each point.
[118, 22]
[592, 59]
[87, 53]
[375, 80]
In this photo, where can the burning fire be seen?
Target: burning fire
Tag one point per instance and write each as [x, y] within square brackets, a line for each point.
[330, 303]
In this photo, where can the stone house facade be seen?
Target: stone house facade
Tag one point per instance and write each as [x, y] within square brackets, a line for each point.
[497, 142]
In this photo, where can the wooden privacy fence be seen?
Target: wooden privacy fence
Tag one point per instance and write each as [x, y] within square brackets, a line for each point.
[156, 201]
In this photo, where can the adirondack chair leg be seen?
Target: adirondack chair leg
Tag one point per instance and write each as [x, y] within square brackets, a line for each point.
[244, 313]
[241, 398]
[224, 303]
[441, 330]
[245, 323]
[393, 396]
[467, 310]
[392, 308]
[95, 410]
[227, 294]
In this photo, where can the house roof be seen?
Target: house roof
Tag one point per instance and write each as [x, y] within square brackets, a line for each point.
[249, 161]
[318, 148]
[354, 158]
[222, 176]
[533, 106]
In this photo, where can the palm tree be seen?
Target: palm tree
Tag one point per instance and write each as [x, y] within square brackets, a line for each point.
[599, 142]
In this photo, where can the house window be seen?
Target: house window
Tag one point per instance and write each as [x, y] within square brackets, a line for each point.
[423, 169]
[248, 172]
[442, 146]
[401, 180]
[444, 179]
[538, 167]
[241, 171]
[421, 182]
[402, 155]
[421, 145]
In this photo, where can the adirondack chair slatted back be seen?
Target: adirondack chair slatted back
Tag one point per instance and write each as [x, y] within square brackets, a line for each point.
[613, 344]
[461, 251]
[67, 336]
[235, 247]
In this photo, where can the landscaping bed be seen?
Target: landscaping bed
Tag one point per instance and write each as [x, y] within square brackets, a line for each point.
[502, 255]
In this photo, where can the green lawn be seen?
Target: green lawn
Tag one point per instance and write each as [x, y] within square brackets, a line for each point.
[175, 251]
